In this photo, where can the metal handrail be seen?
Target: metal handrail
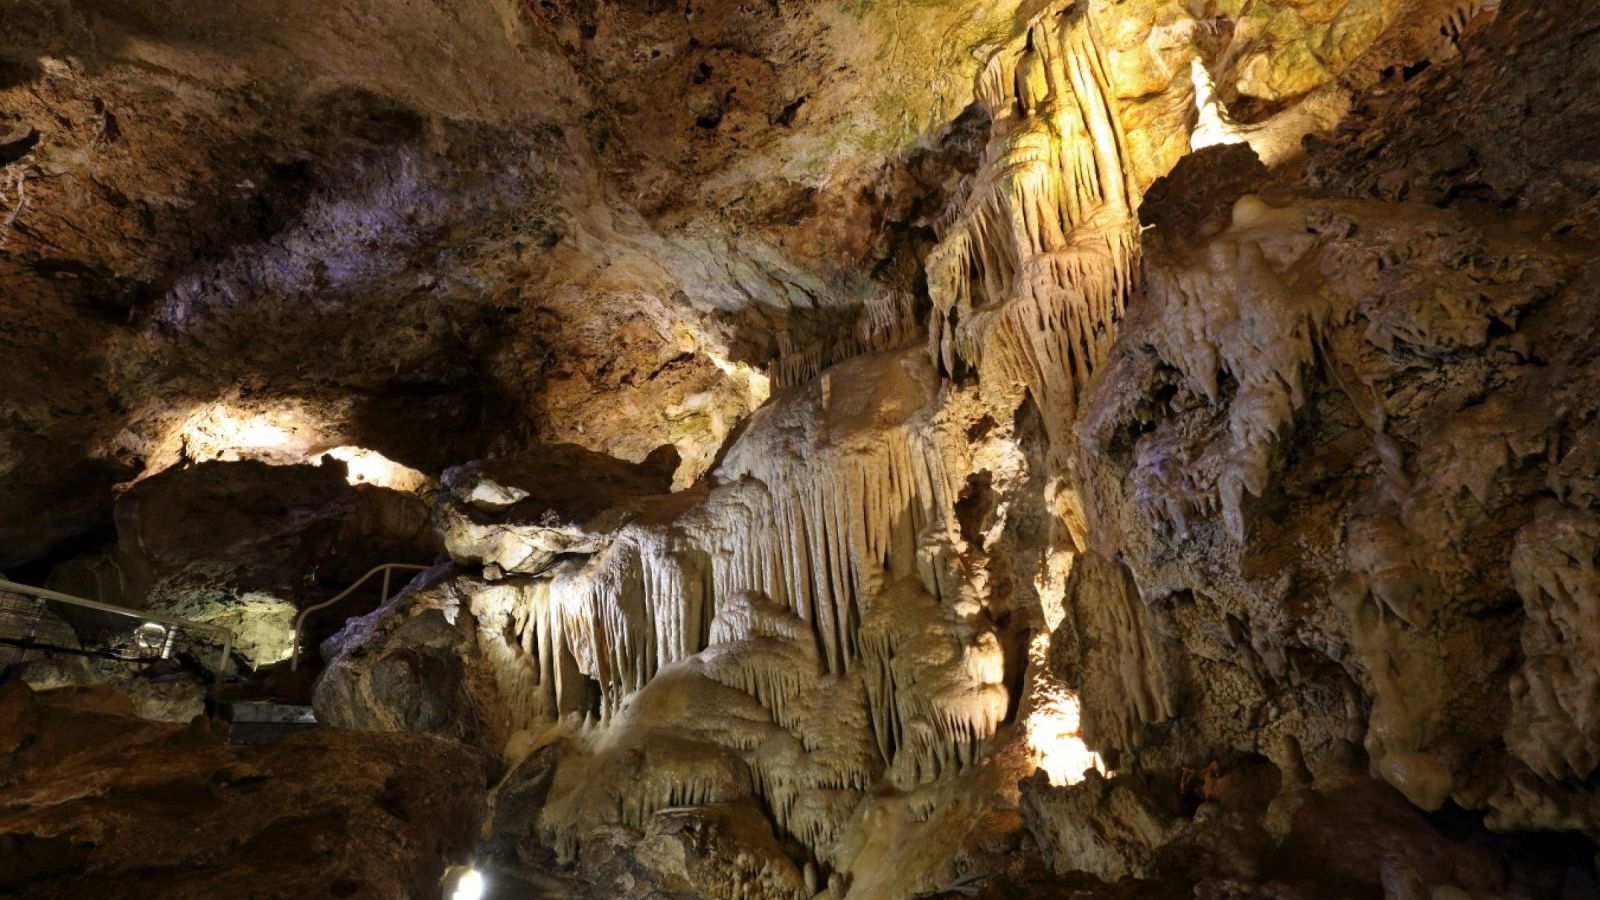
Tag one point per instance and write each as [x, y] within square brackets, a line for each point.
[13, 587]
[299, 621]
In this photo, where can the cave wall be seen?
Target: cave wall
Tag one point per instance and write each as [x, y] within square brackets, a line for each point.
[1167, 461]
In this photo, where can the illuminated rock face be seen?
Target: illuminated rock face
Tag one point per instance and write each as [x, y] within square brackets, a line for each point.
[1032, 272]
[437, 262]
[1323, 452]
[233, 543]
[804, 628]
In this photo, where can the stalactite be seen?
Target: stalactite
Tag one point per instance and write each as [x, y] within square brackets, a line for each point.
[836, 529]
[1032, 274]
[935, 694]
[803, 626]
[1262, 340]
[887, 321]
[801, 608]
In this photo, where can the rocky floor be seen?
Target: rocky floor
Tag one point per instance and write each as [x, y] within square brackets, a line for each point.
[99, 803]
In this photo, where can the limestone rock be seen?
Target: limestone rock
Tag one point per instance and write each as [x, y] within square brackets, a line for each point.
[1106, 448]
[1342, 424]
[519, 514]
[1110, 829]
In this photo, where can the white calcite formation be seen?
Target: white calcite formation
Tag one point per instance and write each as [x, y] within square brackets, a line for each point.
[1342, 452]
[1114, 448]
[1037, 260]
[795, 633]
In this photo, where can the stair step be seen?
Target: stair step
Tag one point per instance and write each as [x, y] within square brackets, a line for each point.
[259, 721]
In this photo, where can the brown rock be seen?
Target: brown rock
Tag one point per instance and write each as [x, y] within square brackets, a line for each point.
[107, 805]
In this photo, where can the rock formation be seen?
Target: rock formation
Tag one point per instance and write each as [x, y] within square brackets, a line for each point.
[1094, 448]
[99, 803]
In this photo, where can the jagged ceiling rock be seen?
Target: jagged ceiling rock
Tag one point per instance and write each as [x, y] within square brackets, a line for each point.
[1247, 463]
[517, 515]
[202, 202]
[847, 545]
[471, 220]
[99, 803]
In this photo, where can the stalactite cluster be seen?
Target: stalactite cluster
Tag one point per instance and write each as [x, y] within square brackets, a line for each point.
[887, 603]
[1172, 474]
[803, 628]
[887, 321]
[1036, 264]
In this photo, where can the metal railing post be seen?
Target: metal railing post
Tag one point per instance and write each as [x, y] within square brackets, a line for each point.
[43, 595]
[299, 621]
[227, 651]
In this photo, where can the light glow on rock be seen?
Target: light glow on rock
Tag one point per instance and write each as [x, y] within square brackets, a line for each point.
[365, 466]
[1055, 736]
[1275, 139]
[1054, 723]
[1212, 128]
[221, 432]
[755, 384]
[284, 435]
[468, 883]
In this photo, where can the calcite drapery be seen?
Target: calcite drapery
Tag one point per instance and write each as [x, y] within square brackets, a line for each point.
[1035, 265]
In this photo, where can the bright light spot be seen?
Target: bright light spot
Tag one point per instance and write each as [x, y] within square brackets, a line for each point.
[365, 466]
[1056, 739]
[756, 385]
[1275, 139]
[150, 638]
[289, 434]
[224, 436]
[469, 884]
[1212, 128]
[258, 433]
[1054, 726]
[225, 431]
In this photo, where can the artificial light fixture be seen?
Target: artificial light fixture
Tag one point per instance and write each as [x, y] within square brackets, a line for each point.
[153, 639]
